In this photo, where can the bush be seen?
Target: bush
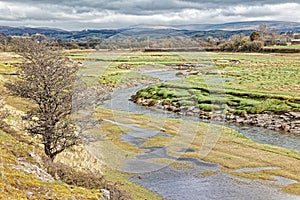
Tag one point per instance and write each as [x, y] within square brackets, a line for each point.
[255, 46]
[242, 46]
[87, 180]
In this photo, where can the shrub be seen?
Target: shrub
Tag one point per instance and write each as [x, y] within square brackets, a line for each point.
[88, 180]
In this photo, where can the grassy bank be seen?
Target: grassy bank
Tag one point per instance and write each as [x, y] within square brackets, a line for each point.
[295, 46]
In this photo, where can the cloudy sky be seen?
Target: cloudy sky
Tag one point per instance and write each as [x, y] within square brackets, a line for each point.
[82, 14]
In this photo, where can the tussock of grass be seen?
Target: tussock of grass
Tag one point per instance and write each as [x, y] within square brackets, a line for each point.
[254, 175]
[293, 188]
[207, 173]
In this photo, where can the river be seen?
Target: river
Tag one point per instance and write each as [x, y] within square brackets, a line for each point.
[120, 100]
[181, 184]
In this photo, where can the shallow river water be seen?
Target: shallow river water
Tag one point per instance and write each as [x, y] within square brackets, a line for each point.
[189, 183]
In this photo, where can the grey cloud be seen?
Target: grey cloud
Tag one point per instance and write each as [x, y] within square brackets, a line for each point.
[145, 6]
[79, 14]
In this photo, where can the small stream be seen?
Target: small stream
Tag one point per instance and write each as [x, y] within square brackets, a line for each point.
[190, 183]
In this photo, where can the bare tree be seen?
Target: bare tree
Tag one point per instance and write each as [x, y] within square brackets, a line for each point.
[46, 78]
[262, 28]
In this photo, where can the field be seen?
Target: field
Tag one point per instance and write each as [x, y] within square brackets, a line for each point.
[242, 83]
[252, 89]
[237, 83]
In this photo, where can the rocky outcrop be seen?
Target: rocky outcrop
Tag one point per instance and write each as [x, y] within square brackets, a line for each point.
[288, 122]
[30, 168]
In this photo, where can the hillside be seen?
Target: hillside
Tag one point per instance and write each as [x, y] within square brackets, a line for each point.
[196, 30]
[280, 26]
[26, 172]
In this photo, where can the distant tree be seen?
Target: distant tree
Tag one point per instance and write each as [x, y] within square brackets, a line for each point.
[46, 78]
[235, 43]
[262, 29]
[275, 37]
[255, 46]
[254, 36]
[5, 42]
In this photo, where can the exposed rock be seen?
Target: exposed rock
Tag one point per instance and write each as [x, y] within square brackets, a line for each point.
[174, 109]
[105, 194]
[187, 66]
[124, 66]
[33, 169]
[296, 122]
[239, 120]
[296, 115]
[163, 130]
[288, 122]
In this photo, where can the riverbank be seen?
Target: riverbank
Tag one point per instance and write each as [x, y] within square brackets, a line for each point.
[288, 122]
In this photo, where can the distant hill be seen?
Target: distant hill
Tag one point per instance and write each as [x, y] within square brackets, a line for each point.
[19, 31]
[196, 30]
[279, 26]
